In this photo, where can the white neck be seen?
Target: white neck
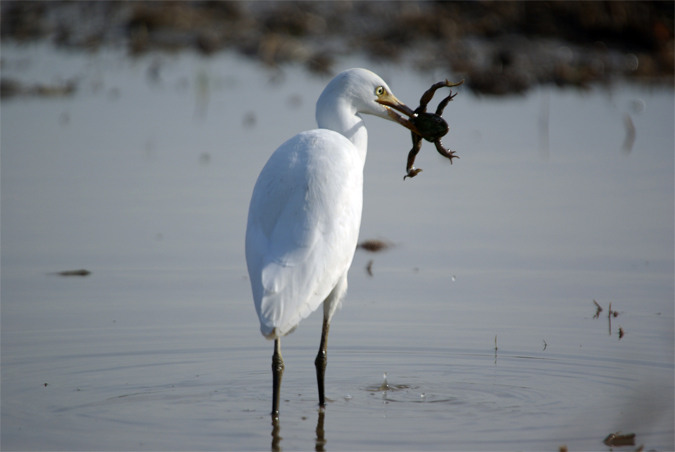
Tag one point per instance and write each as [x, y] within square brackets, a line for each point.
[342, 118]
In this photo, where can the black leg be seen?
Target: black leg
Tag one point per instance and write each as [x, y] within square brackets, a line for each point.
[321, 361]
[277, 373]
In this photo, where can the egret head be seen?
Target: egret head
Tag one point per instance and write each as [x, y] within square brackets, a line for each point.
[362, 91]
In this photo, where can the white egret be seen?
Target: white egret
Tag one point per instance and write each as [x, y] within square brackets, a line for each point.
[305, 214]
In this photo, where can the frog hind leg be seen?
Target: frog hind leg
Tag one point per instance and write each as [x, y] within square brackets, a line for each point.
[411, 171]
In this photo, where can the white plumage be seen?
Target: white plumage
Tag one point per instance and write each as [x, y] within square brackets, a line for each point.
[303, 227]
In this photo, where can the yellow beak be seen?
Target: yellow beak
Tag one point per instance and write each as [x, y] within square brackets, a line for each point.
[392, 103]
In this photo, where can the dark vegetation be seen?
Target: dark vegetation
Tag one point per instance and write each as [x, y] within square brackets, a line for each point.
[499, 47]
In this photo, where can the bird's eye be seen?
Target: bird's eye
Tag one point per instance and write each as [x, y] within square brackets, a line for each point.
[380, 90]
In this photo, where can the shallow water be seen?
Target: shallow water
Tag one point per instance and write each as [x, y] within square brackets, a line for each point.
[143, 178]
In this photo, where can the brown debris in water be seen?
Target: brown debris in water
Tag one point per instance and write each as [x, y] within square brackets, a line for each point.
[369, 268]
[617, 439]
[81, 272]
[611, 313]
[10, 88]
[374, 245]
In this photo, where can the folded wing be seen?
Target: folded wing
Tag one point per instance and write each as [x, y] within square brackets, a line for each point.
[302, 227]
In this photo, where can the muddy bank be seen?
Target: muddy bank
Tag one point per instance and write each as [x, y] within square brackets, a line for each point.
[498, 47]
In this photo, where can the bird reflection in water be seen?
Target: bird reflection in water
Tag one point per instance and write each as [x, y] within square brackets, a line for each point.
[320, 443]
[276, 434]
[320, 433]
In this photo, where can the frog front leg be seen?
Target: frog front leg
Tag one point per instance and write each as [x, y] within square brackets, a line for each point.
[444, 103]
[444, 152]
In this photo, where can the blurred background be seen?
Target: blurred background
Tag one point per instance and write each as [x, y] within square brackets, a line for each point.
[500, 47]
